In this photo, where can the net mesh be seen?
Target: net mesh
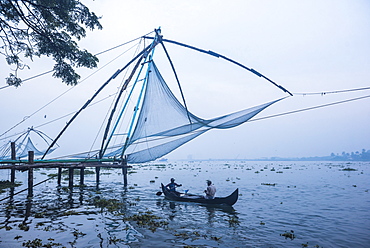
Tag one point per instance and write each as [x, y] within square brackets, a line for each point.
[164, 123]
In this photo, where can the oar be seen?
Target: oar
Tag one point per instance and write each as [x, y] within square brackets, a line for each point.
[160, 192]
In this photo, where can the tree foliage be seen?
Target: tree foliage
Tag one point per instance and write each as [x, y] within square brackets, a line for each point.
[30, 28]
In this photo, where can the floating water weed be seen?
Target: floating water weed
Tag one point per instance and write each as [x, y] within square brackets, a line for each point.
[24, 227]
[216, 238]
[6, 228]
[111, 205]
[288, 235]
[39, 215]
[147, 219]
[70, 212]
[38, 243]
[114, 240]
[7, 184]
[77, 234]
[233, 221]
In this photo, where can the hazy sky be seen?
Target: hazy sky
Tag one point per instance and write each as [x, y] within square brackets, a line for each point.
[306, 46]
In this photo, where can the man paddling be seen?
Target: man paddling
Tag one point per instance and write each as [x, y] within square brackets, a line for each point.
[172, 186]
[210, 191]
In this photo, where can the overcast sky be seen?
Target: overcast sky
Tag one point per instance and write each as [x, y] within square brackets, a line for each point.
[305, 46]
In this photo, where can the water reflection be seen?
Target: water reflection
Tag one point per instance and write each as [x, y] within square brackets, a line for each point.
[186, 212]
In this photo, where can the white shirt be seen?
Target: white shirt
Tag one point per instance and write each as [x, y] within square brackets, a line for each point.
[210, 191]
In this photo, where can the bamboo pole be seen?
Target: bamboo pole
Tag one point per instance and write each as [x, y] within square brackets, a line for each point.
[31, 155]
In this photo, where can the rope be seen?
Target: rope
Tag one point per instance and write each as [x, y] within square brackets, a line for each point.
[26, 117]
[110, 49]
[310, 108]
[257, 119]
[332, 92]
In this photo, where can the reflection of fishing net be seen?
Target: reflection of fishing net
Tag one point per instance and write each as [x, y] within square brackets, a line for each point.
[164, 123]
[26, 142]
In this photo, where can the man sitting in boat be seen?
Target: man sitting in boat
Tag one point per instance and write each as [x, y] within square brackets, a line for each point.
[210, 191]
[172, 186]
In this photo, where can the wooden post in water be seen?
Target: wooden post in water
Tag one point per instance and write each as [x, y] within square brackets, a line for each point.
[13, 157]
[59, 175]
[97, 171]
[124, 171]
[70, 184]
[82, 175]
[31, 155]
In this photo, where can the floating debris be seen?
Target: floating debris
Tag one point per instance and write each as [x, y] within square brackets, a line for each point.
[349, 169]
[111, 205]
[288, 235]
[38, 243]
[269, 184]
[7, 184]
[147, 219]
[216, 238]
[233, 221]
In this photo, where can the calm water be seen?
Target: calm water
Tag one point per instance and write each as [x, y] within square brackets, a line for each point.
[318, 202]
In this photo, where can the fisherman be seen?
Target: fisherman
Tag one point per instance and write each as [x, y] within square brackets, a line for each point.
[210, 191]
[172, 185]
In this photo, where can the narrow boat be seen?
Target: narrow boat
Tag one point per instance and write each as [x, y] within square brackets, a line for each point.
[229, 200]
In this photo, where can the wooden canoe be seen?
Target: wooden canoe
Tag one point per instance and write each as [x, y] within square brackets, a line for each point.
[228, 200]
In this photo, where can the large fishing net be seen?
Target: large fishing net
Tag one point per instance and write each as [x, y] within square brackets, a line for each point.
[164, 123]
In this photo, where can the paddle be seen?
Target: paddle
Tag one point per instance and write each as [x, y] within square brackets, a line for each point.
[160, 192]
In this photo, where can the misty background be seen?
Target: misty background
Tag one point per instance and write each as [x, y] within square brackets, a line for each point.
[305, 46]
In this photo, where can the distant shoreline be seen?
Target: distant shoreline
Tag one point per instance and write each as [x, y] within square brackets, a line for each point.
[333, 159]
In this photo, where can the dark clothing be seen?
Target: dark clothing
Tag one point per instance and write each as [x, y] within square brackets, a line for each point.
[172, 186]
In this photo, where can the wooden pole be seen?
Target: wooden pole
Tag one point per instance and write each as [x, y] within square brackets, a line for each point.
[30, 173]
[31, 157]
[97, 171]
[70, 184]
[124, 171]
[82, 175]
[59, 175]
[12, 147]
[13, 157]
